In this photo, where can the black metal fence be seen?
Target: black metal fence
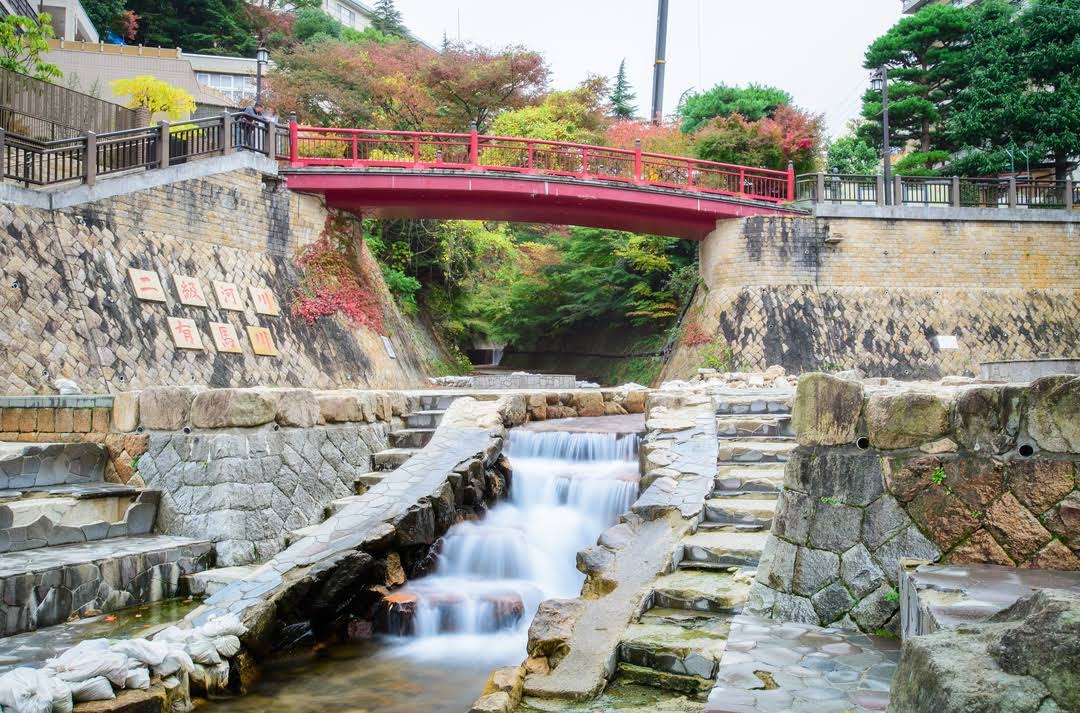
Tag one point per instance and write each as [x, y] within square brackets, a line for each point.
[933, 191]
[39, 110]
[85, 158]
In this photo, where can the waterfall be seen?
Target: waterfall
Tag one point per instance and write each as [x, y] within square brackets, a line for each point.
[492, 575]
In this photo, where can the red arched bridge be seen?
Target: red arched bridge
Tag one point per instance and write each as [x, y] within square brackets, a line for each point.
[405, 174]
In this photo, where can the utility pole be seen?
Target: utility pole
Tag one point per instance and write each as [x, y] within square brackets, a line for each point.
[661, 59]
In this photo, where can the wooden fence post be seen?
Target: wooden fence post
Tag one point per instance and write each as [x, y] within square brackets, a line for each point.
[90, 159]
[163, 144]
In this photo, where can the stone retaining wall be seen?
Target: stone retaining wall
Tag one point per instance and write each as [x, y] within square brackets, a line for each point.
[888, 472]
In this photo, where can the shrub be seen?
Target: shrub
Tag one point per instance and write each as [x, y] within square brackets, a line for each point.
[694, 335]
[718, 355]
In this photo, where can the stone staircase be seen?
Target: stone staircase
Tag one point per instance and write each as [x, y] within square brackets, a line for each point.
[420, 425]
[679, 641]
[70, 543]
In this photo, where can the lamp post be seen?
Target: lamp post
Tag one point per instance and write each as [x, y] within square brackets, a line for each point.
[880, 83]
[262, 56]
[661, 62]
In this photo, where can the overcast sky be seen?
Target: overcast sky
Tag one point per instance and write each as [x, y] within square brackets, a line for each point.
[811, 48]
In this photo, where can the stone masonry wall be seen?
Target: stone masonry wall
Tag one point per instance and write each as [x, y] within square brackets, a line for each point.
[70, 310]
[840, 293]
[972, 473]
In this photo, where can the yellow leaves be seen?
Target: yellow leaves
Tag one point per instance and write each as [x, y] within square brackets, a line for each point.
[155, 96]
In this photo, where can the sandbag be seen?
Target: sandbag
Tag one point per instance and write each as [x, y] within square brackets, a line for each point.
[227, 646]
[112, 666]
[225, 625]
[92, 689]
[61, 696]
[173, 634]
[202, 650]
[26, 690]
[176, 661]
[138, 678]
[151, 653]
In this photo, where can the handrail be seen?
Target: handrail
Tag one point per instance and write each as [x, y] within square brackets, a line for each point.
[85, 158]
[315, 146]
[934, 191]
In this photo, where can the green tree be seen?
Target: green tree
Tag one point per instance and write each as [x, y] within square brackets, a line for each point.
[387, 19]
[102, 13]
[622, 96]
[752, 103]
[924, 54]
[203, 26]
[1022, 82]
[22, 42]
[851, 155]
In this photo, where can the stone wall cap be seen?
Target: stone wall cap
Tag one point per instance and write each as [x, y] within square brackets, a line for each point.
[57, 401]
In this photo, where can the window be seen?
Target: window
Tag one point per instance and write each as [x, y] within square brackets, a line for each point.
[236, 87]
[344, 15]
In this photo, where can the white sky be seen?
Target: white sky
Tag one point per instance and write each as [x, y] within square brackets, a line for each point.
[811, 48]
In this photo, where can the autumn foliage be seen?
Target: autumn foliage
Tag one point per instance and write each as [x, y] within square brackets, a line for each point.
[331, 284]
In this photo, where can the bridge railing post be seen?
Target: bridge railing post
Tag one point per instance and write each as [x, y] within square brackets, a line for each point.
[1068, 193]
[1012, 191]
[90, 165]
[791, 181]
[474, 148]
[742, 181]
[898, 191]
[271, 139]
[955, 191]
[637, 161]
[819, 191]
[294, 141]
[226, 133]
[163, 144]
[880, 193]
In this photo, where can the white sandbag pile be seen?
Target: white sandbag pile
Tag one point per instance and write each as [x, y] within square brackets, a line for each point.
[97, 669]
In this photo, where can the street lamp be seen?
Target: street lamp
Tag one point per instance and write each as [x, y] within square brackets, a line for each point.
[879, 82]
[262, 56]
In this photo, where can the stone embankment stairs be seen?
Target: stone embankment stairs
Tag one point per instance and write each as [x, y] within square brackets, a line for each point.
[73, 544]
[679, 641]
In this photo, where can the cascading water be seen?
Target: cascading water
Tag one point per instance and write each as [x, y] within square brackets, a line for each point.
[491, 575]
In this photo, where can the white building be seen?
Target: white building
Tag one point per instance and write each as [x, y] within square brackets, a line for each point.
[350, 13]
[69, 18]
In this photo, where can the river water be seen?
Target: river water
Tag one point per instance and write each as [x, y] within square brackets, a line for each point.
[473, 613]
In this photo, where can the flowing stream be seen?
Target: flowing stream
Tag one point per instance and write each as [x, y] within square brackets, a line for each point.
[473, 613]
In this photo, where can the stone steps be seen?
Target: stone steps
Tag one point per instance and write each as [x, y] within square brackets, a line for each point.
[749, 478]
[676, 650]
[736, 451]
[642, 676]
[393, 458]
[719, 550]
[366, 481]
[434, 402]
[696, 591]
[75, 514]
[210, 582]
[740, 511]
[30, 465]
[47, 586]
[424, 419]
[761, 426]
[411, 437]
[754, 404]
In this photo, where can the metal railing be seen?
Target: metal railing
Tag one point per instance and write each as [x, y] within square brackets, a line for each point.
[87, 157]
[933, 191]
[44, 111]
[311, 146]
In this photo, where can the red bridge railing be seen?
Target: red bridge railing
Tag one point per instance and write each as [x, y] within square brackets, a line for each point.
[311, 146]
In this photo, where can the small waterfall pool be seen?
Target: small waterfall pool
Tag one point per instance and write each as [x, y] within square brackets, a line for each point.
[472, 614]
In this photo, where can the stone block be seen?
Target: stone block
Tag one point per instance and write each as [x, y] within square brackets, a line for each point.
[1053, 413]
[1054, 556]
[165, 408]
[1064, 520]
[46, 420]
[1013, 525]
[832, 602]
[882, 519]
[907, 477]
[980, 548]
[906, 419]
[847, 475]
[1040, 484]
[826, 410]
[125, 412]
[296, 408]
[99, 420]
[589, 403]
[859, 572]
[777, 566]
[82, 420]
[976, 481]
[793, 608]
[834, 526]
[793, 515]
[814, 569]
[987, 419]
[942, 516]
[339, 407]
[875, 610]
[231, 408]
[28, 420]
[909, 544]
[64, 420]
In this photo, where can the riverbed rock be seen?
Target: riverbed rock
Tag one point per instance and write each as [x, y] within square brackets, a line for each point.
[826, 410]
[165, 408]
[905, 420]
[1023, 660]
[552, 627]
[231, 408]
[151, 700]
[498, 702]
[1054, 413]
[589, 403]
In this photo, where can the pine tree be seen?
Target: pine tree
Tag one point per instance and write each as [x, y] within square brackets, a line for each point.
[622, 96]
[387, 19]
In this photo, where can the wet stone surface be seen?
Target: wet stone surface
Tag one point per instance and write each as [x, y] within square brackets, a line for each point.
[771, 667]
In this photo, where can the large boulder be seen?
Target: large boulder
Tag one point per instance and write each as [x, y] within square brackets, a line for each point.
[1053, 413]
[340, 406]
[232, 408]
[589, 403]
[986, 419]
[826, 410]
[125, 412]
[165, 408]
[1023, 660]
[551, 629]
[906, 419]
[295, 407]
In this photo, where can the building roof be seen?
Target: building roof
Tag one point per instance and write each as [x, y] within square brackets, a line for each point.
[219, 64]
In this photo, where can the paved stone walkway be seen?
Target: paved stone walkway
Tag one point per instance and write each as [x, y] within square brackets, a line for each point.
[770, 667]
